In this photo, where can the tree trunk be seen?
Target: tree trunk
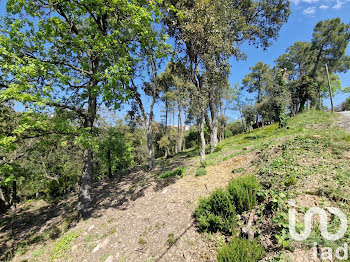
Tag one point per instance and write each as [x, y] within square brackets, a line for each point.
[84, 199]
[302, 105]
[109, 162]
[84, 196]
[213, 126]
[202, 139]
[180, 130]
[166, 114]
[150, 146]
[214, 135]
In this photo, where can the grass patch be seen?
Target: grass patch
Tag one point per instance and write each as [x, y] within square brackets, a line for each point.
[142, 241]
[171, 239]
[240, 250]
[243, 192]
[216, 213]
[173, 173]
[201, 171]
[62, 245]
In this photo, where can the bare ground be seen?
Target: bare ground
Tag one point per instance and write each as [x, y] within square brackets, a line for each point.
[138, 218]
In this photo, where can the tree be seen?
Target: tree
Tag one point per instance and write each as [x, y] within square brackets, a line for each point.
[258, 81]
[212, 31]
[74, 56]
[329, 42]
[298, 61]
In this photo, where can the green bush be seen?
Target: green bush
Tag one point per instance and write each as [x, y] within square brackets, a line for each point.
[243, 192]
[241, 250]
[201, 171]
[173, 173]
[218, 148]
[216, 213]
[290, 181]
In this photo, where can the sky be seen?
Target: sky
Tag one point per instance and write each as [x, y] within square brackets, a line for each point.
[304, 16]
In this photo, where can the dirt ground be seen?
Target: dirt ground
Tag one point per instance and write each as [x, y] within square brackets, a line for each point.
[344, 120]
[138, 218]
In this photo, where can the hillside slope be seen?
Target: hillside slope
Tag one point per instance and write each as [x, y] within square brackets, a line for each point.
[141, 217]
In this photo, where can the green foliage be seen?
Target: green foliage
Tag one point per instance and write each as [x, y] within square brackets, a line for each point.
[114, 151]
[62, 245]
[142, 241]
[241, 250]
[345, 106]
[243, 192]
[290, 180]
[218, 148]
[173, 173]
[201, 171]
[216, 213]
[171, 239]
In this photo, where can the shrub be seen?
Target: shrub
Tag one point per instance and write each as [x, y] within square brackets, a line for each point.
[243, 192]
[241, 250]
[216, 213]
[201, 171]
[218, 148]
[290, 181]
[170, 174]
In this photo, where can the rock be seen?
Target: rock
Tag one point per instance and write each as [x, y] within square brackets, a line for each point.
[97, 248]
[75, 247]
[105, 243]
[164, 191]
[91, 228]
[109, 259]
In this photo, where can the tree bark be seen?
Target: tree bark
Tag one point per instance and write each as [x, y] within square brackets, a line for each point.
[84, 197]
[150, 146]
[213, 125]
[180, 130]
[202, 139]
[109, 163]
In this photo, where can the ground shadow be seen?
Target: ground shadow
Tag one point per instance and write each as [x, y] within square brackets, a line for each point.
[42, 222]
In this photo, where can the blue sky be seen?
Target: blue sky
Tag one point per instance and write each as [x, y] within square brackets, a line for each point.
[305, 14]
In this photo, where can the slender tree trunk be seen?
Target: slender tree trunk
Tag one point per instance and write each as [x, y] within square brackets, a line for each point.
[84, 199]
[213, 126]
[330, 89]
[150, 146]
[202, 138]
[109, 162]
[180, 130]
[302, 105]
[166, 114]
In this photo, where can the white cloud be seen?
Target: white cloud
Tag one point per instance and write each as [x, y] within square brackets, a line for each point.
[304, 1]
[324, 7]
[309, 11]
[338, 5]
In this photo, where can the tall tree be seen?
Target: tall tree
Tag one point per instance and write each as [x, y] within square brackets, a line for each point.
[208, 31]
[258, 81]
[329, 42]
[73, 55]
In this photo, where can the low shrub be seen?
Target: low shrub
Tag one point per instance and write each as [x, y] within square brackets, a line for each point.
[218, 148]
[243, 191]
[201, 171]
[173, 173]
[241, 250]
[216, 213]
[290, 181]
